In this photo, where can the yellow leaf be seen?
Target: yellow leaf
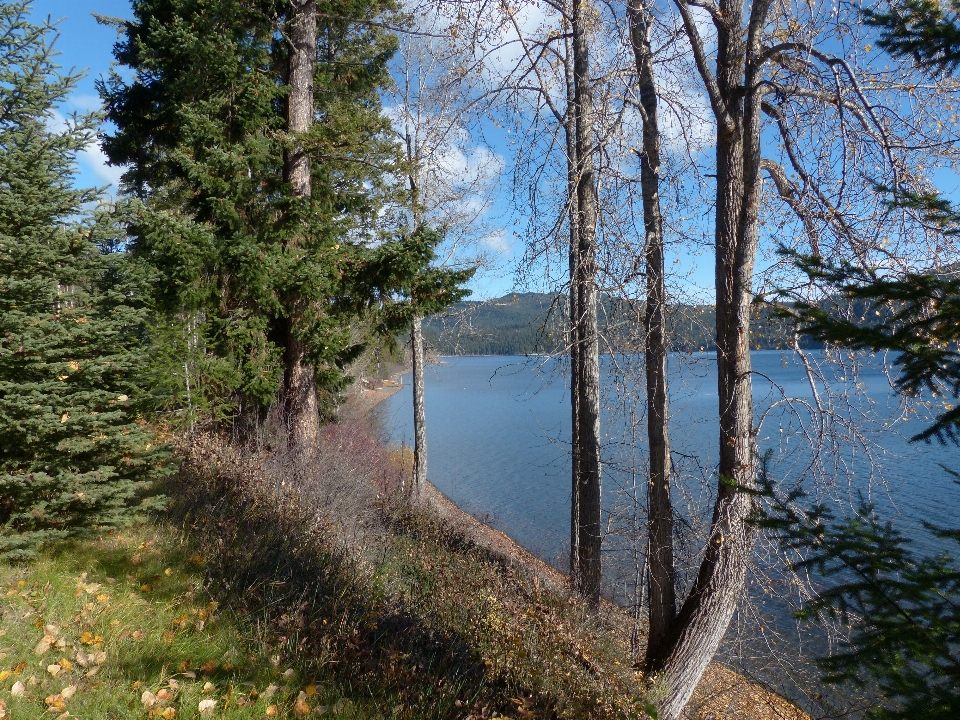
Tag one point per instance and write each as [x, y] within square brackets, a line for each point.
[272, 711]
[86, 637]
[301, 708]
[168, 635]
[310, 690]
[4, 674]
[168, 713]
[66, 664]
[55, 702]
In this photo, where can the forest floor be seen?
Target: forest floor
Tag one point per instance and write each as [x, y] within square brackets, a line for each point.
[292, 587]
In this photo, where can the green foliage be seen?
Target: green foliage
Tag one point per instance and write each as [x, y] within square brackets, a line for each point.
[901, 608]
[916, 315]
[201, 126]
[74, 453]
[923, 29]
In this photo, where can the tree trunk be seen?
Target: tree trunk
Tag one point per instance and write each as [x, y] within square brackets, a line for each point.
[573, 341]
[662, 578]
[588, 488]
[419, 411]
[703, 619]
[299, 385]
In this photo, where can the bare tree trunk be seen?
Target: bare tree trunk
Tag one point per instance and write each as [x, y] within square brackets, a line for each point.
[588, 487]
[662, 577]
[573, 342]
[703, 619]
[419, 410]
[299, 385]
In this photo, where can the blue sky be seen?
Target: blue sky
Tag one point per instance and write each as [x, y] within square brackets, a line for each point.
[86, 46]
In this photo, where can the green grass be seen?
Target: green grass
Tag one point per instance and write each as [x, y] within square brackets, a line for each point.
[131, 607]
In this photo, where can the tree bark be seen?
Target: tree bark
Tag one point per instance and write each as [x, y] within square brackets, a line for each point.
[662, 577]
[573, 341]
[588, 486]
[702, 620]
[299, 385]
[419, 410]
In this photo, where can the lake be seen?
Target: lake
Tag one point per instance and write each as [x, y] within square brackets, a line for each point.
[498, 441]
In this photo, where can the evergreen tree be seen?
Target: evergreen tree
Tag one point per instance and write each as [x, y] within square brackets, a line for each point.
[74, 455]
[247, 265]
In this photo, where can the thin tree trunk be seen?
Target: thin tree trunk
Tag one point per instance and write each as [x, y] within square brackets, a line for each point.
[573, 342]
[419, 410]
[703, 619]
[299, 384]
[662, 597]
[588, 489]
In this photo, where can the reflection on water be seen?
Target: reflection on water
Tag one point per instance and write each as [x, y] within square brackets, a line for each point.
[498, 430]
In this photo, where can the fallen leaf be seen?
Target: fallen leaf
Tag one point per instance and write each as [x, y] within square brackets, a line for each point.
[272, 711]
[55, 702]
[289, 674]
[86, 637]
[310, 690]
[164, 696]
[18, 689]
[207, 706]
[185, 665]
[51, 630]
[4, 674]
[66, 665]
[208, 667]
[19, 667]
[148, 699]
[42, 646]
[168, 713]
[54, 670]
[69, 691]
[208, 687]
[301, 708]
[270, 691]
[3, 709]
[137, 635]
[169, 636]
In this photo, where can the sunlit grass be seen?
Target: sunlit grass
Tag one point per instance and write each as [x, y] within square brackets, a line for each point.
[120, 627]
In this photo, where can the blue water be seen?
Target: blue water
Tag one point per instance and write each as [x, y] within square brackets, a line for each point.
[498, 433]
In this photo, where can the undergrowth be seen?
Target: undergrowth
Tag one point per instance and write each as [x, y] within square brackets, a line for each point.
[283, 585]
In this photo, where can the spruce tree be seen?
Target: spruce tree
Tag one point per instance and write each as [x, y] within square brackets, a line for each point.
[247, 264]
[74, 455]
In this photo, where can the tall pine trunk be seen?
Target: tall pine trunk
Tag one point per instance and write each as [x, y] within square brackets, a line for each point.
[588, 400]
[299, 384]
[662, 577]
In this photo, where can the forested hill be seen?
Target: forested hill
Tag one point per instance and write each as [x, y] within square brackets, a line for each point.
[525, 323]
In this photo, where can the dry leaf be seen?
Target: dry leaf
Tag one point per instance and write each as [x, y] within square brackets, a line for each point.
[51, 630]
[55, 702]
[272, 711]
[208, 667]
[168, 713]
[289, 674]
[3, 709]
[164, 696]
[69, 691]
[18, 689]
[148, 699]
[208, 687]
[4, 674]
[301, 708]
[310, 690]
[66, 665]
[43, 646]
[54, 670]
[270, 691]
[207, 706]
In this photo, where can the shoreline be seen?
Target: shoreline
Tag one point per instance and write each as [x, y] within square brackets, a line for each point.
[722, 692]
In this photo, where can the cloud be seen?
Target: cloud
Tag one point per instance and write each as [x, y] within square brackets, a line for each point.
[93, 160]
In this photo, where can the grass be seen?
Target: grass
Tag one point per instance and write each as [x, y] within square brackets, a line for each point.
[274, 590]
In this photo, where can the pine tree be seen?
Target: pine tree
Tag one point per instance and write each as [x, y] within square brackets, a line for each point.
[74, 455]
[248, 265]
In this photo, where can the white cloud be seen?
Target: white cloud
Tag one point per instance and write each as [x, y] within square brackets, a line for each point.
[497, 242]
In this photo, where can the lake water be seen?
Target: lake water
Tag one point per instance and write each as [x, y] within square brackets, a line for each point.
[498, 440]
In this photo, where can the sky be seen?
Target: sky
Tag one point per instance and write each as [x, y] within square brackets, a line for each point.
[87, 46]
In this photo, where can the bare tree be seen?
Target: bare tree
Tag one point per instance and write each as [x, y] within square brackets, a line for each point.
[768, 61]
[450, 172]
